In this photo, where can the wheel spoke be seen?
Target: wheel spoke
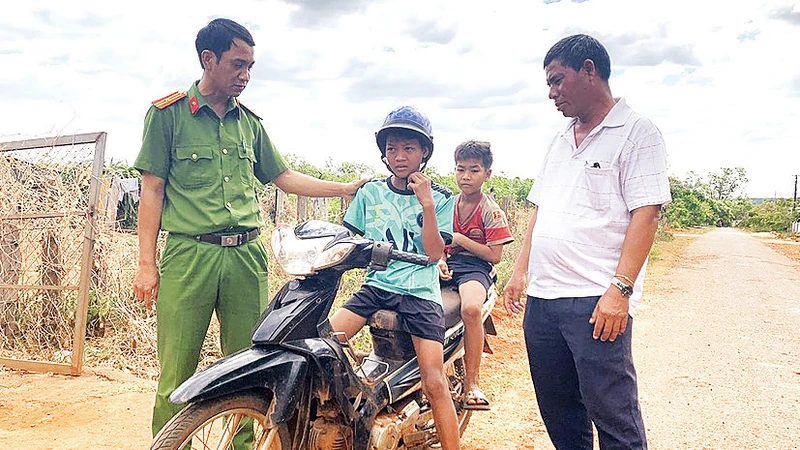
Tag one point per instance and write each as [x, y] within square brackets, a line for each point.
[229, 431]
[206, 433]
[267, 439]
[222, 424]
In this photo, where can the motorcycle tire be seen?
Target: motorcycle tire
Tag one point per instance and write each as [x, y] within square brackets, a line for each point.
[205, 425]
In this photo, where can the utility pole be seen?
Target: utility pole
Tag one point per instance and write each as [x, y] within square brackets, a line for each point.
[794, 201]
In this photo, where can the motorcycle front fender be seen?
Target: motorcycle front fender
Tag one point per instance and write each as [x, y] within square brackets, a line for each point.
[278, 370]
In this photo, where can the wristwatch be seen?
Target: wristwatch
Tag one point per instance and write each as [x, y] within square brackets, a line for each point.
[627, 291]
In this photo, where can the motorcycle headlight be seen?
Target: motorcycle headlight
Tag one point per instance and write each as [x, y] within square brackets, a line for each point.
[297, 256]
[333, 255]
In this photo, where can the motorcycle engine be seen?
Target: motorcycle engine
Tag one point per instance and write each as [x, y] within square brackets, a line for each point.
[390, 427]
[329, 435]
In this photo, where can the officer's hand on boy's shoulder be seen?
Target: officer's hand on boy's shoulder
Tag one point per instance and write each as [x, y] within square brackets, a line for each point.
[351, 187]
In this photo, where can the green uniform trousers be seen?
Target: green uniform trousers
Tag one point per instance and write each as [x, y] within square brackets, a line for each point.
[197, 279]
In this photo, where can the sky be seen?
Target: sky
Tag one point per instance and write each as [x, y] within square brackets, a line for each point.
[720, 79]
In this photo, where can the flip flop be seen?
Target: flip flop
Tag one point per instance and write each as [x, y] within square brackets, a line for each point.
[475, 400]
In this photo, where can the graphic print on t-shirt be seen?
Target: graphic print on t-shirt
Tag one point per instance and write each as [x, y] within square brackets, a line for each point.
[384, 213]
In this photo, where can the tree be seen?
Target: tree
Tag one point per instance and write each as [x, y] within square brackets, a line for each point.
[728, 183]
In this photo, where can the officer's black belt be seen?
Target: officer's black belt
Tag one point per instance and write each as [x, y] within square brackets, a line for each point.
[226, 239]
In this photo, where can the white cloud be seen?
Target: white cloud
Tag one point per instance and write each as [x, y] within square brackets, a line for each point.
[716, 77]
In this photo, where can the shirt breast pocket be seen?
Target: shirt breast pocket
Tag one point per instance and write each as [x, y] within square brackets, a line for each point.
[600, 186]
[247, 161]
[194, 166]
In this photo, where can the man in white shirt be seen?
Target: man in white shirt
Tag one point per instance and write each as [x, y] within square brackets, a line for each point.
[598, 197]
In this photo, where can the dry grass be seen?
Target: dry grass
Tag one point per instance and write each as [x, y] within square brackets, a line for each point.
[122, 335]
[787, 244]
[42, 225]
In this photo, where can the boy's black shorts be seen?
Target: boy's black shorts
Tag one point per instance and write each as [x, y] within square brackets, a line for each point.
[466, 268]
[419, 317]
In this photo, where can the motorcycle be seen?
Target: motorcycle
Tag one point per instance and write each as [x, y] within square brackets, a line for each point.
[301, 386]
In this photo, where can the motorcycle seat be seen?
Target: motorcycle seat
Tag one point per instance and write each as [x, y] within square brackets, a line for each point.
[390, 320]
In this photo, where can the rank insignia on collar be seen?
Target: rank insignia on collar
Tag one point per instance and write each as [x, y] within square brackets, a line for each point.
[169, 99]
[194, 105]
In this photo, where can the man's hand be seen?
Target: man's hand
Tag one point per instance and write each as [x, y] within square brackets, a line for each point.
[513, 293]
[145, 284]
[351, 188]
[421, 185]
[458, 238]
[610, 316]
[444, 273]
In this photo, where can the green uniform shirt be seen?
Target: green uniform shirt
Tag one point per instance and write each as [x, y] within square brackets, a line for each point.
[210, 165]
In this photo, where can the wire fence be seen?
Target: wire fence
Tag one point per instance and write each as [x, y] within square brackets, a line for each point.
[44, 207]
[47, 209]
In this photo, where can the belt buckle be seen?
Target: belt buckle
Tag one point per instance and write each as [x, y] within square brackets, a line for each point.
[230, 240]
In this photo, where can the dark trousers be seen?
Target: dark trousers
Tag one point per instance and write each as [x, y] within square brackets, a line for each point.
[579, 380]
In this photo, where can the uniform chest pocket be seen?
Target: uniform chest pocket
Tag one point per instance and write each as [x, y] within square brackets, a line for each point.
[247, 160]
[600, 186]
[194, 166]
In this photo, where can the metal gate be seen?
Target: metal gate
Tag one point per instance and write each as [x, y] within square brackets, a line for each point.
[49, 189]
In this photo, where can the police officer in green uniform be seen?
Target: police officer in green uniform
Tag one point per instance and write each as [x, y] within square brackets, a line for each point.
[201, 155]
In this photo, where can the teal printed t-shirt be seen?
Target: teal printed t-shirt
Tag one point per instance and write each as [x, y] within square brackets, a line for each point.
[382, 212]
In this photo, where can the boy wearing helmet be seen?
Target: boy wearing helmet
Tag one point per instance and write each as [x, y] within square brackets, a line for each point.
[416, 215]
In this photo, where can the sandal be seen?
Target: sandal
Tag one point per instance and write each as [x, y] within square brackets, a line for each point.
[475, 400]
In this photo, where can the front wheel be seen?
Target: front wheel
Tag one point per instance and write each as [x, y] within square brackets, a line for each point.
[230, 422]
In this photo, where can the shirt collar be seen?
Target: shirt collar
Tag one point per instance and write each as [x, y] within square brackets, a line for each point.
[615, 117]
[198, 102]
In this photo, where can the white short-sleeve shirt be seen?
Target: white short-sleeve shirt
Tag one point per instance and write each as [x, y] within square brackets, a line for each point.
[585, 196]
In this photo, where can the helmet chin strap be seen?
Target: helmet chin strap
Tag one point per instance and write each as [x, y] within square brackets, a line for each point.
[405, 187]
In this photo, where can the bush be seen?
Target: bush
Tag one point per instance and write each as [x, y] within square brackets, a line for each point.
[776, 215]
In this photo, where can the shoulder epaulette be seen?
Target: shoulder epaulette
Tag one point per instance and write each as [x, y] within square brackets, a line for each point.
[169, 99]
[248, 110]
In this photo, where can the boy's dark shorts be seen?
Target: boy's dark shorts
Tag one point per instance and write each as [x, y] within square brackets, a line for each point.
[419, 317]
[466, 268]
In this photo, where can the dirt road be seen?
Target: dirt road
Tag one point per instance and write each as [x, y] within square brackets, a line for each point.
[717, 349]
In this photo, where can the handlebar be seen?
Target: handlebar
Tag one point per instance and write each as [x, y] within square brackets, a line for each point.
[413, 258]
[383, 252]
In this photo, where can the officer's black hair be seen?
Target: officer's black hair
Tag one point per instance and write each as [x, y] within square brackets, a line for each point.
[480, 150]
[573, 50]
[218, 37]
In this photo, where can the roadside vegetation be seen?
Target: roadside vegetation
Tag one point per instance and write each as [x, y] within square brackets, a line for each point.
[121, 334]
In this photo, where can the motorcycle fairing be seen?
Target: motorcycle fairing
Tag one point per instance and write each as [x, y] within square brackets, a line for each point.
[275, 369]
[287, 316]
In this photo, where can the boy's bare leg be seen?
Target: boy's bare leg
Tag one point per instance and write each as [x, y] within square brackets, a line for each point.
[472, 295]
[430, 355]
[347, 322]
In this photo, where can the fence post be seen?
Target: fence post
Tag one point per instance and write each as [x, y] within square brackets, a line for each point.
[280, 198]
[302, 206]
